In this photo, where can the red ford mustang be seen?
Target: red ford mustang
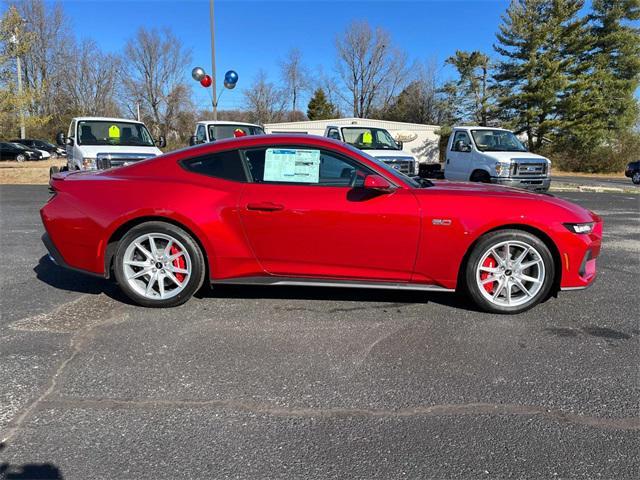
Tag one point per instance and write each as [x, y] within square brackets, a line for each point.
[304, 210]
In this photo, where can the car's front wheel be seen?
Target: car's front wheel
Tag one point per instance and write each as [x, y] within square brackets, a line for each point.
[636, 178]
[158, 264]
[509, 271]
[21, 158]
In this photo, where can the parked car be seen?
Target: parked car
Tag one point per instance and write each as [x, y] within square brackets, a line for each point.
[50, 148]
[18, 152]
[307, 210]
[211, 131]
[633, 172]
[99, 143]
[495, 155]
[377, 142]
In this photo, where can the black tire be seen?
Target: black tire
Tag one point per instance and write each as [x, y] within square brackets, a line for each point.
[53, 170]
[198, 268]
[480, 176]
[636, 178]
[20, 158]
[495, 238]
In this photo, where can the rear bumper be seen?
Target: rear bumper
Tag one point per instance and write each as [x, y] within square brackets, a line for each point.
[57, 258]
[533, 184]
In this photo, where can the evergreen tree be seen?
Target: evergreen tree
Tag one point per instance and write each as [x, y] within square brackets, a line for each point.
[474, 95]
[605, 105]
[319, 107]
[535, 70]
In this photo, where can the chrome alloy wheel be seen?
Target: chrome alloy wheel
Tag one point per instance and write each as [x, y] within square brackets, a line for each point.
[157, 266]
[510, 273]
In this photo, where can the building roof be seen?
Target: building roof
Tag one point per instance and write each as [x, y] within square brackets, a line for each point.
[387, 124]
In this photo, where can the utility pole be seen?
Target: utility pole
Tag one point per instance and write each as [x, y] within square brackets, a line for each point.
[214, 101]
[14, 40]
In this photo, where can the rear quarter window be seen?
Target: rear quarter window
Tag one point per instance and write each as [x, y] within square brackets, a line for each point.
[224, 165]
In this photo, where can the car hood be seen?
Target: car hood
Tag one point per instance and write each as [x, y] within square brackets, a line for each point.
[91, 151]
[503, 194]
[388, 154]
[506, 156]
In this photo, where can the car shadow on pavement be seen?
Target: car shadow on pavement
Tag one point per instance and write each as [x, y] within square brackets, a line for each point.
[66, 279]
[29, 471]
[453, 300]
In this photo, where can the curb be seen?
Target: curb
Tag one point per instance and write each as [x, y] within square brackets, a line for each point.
[592, 189]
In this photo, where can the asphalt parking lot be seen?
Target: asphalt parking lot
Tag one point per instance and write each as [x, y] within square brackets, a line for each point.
[314, 383]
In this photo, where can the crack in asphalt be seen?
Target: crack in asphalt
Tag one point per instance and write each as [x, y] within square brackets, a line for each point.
[78, 341]
[473, 409]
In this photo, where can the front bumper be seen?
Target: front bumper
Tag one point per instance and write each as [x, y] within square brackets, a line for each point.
[533, 184]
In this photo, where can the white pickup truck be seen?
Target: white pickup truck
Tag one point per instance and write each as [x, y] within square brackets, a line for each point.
[210, 131]
[378, 143]
[494, 155]
[98, 143]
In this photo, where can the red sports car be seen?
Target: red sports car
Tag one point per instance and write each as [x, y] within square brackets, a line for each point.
[305, 210]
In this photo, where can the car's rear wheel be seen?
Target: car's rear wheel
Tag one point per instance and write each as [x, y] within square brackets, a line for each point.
[21, 158]
[509, 271]
[636, 178]
[158, 264]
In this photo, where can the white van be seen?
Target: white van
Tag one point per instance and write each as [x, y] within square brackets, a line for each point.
[376, 142]
[101, 142]
[212, 130]
[495, 155]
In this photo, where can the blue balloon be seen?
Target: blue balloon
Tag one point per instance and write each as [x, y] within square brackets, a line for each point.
[231, 77]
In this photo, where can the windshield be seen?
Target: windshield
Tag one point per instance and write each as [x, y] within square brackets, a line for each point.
[393, 173]
[103, 132]
[218, 132]
[497, 141]
[369, 138]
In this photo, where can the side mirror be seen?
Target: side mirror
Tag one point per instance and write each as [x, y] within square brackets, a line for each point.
[378, 183]
[193, 140]
[162, 142]
[60, 139]
[399, 144]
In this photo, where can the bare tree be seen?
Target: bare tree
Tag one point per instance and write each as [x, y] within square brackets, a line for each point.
[295, 77]
[153, 75]
[43, 66]
[264, 101]
[371, 68]
[90, 82]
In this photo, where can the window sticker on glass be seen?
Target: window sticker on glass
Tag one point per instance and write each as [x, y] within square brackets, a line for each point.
[292, 165]
[114, 131]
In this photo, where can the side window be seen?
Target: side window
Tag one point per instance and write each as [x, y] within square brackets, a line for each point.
[460, 136]
[225, 165]
[304, 166]
[333, 133]
[200, 134]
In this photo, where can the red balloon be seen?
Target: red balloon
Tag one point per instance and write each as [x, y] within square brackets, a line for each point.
[206, 81]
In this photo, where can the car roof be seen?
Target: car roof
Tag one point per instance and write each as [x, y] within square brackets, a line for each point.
[477, 127]
[225, 122]
[106, 119]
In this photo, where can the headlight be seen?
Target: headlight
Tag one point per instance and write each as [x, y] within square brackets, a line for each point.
[88, 163]
[580, 227]
[503, 169]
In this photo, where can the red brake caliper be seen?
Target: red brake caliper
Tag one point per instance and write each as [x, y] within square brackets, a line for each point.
[178, 262]
[489, 263]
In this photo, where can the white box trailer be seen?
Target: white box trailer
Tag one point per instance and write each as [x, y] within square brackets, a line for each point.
[417, 139]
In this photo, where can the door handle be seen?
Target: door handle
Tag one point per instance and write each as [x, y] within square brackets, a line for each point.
[447, 160]
[265, 206]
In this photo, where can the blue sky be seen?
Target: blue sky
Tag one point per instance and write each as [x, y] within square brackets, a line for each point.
[253, 35]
